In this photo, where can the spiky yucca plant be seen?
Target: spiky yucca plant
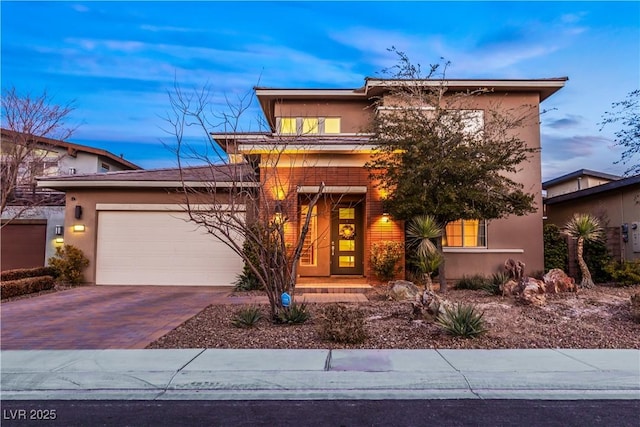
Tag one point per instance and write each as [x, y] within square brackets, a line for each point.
[462, 320]
[420, 231]
[294, 314]
[584, 228]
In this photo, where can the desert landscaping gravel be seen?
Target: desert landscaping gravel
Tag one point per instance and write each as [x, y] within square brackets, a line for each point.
[592, 318]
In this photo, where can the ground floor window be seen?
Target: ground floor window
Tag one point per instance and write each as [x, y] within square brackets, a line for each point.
[465, 233]
[309, 256]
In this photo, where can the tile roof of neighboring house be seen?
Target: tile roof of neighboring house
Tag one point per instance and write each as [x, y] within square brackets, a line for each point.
[73, 149]
[169, 177]
[610, 186]
[576, 174]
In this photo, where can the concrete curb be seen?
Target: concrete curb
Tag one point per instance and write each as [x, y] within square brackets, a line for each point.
[228, 374]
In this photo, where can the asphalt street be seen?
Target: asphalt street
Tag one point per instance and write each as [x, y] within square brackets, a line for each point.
[583, 413]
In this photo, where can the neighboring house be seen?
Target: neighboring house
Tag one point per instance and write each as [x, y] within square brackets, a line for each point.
[33, 214]
[317, 135]
[617, 202]
[574, 181]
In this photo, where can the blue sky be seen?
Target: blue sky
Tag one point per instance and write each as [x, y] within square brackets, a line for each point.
[119, 59]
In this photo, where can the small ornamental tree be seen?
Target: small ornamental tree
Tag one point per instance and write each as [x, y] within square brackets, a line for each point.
[246, 203]
[584, 228]
[437, 155]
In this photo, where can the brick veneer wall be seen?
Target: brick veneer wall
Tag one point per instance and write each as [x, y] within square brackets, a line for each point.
[376, 229]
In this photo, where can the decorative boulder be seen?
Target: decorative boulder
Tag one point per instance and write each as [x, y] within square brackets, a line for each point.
[509, 288]
[531, 292]
[428, 305]
[403, 290]
[557, 281]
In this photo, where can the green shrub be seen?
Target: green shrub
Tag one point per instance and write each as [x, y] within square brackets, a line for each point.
[384, 259]
[247, 279]
[626, 273]
[29, 285]
[597, 257]
[462, 320]
[69, 262]
[247, 317]
[556, 253]
[23, 273]
[294, 314]
[342, 324]
[494, 285]
[476, 282]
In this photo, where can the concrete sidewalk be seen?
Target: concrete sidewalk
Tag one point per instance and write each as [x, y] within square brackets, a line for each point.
[226, 374]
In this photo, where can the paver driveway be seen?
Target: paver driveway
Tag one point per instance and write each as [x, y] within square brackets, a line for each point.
[101, 317]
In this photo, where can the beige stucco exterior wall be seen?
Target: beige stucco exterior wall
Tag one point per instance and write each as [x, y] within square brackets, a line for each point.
[354, 115]
[586, 181]
[617, 207]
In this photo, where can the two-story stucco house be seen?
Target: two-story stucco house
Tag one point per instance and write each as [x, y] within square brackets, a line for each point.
[32, 214]
[328, 145]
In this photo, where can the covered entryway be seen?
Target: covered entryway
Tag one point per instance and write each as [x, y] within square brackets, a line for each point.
[23, 244]
[160, 248]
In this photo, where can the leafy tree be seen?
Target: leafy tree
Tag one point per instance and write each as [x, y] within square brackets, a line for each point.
[436, 156]
[27, 117]
[627, 113]
[584, 228]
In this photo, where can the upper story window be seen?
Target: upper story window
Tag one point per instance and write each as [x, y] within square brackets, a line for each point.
[308, 125]
[104, 167]
[466, 233]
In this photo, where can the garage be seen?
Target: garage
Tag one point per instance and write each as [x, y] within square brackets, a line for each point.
[160, 247]
[23, 244]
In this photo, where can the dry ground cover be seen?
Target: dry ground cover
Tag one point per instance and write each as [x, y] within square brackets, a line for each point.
[593, 318]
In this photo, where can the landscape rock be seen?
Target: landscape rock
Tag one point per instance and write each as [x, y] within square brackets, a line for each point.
[402, 290]
[429, 305]
[509, 288]
[531, 292]
[556, 281]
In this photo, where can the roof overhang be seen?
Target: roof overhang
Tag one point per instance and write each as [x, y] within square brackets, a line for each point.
[68, 184]
[545, 87]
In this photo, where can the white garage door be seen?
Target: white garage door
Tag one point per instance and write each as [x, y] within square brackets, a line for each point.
[160, 248]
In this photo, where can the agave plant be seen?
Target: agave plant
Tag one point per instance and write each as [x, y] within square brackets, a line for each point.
[420, 231]
[462, 320]
[247, 317]
[584, 228]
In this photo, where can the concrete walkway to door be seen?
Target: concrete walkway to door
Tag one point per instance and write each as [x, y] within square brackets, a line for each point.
[103, 317]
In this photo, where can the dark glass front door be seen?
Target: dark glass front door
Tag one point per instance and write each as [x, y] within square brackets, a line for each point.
[347, 238]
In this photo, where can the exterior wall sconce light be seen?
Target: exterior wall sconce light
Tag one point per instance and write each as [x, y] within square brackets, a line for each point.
[78, 212]
[385, 217]
[279, 217]
[78, 228]
[59, 230]
[59, 240]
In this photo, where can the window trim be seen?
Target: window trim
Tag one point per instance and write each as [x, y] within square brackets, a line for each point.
[482, 230]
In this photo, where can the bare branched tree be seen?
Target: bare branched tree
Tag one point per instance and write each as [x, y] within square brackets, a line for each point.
[244, 200]
[26, 119]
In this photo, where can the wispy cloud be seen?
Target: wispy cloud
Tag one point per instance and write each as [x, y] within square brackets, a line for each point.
[569, 121]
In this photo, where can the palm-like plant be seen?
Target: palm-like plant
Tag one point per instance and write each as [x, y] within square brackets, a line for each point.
[420, 231]
[584, 227]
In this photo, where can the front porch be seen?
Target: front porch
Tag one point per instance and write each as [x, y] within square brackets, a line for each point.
[333, 285]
